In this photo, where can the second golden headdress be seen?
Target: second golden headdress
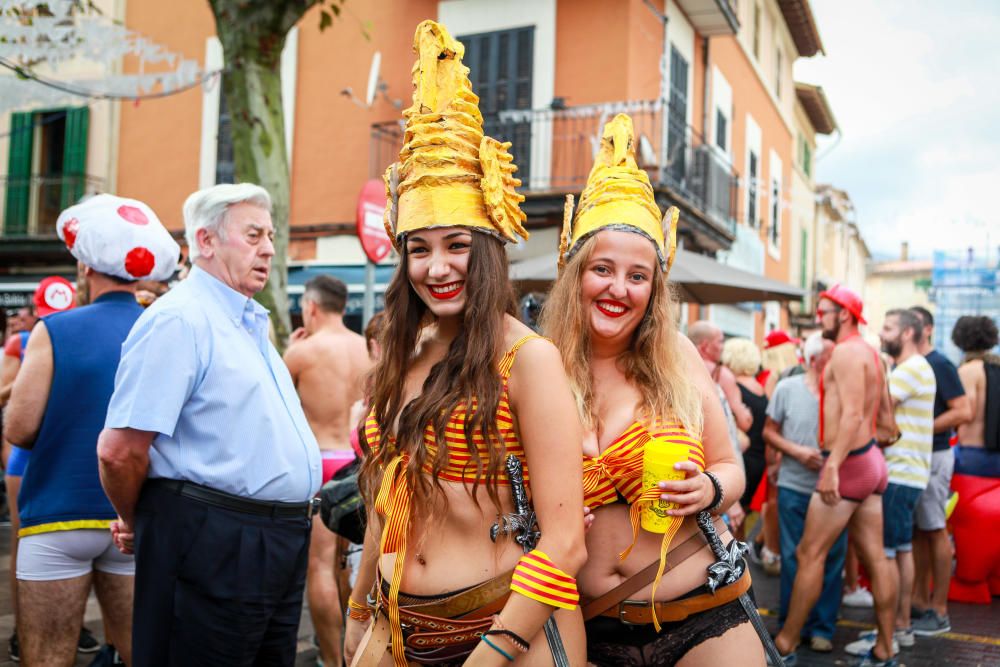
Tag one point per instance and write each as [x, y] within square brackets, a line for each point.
[618, 196]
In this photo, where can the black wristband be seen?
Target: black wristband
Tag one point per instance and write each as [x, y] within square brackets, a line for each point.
[519, 642]
[719, 496]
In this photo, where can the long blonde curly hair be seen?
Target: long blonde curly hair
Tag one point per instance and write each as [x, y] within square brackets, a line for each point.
[653, 362]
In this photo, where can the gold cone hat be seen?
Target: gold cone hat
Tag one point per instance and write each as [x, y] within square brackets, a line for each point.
[618, 196]
[449, 174]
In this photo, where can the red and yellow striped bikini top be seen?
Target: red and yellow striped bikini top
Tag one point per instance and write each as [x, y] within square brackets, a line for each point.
[618, 470]
[394, 496]
[458, 467]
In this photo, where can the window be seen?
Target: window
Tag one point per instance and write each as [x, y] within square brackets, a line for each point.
[720, 130]
[677, 117]
[225, 164]
[46, 168]
[777, 73]
[806, 158]
[775, 232]
[752, 190]
[756, 31]
[501, 68]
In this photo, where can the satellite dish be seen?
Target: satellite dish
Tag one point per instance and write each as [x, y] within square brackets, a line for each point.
[373, 79]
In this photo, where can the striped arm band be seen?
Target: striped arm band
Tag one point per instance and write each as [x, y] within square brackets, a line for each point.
[537, 577]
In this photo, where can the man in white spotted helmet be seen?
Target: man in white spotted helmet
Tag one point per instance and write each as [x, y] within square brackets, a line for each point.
[57, 409]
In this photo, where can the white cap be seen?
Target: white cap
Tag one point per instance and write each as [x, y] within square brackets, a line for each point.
[120, 237]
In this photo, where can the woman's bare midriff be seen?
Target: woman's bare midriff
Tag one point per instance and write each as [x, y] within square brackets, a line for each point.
[451, 549]
[612, 533]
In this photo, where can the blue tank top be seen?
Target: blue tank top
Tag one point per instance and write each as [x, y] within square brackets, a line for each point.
[61, 489]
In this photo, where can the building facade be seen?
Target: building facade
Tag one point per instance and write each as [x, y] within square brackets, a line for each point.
[707, 82]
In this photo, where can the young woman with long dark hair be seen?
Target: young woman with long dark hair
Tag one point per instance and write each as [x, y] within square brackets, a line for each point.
[460, 386]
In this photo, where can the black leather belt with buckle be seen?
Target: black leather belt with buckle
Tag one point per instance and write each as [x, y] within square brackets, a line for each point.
[228, 501]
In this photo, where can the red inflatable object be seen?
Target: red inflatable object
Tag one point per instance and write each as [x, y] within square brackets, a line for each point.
[977, 540]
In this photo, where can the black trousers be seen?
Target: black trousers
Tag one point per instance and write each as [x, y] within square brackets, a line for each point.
[215, 586]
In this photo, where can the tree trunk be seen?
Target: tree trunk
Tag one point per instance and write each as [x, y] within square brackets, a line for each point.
[253, 34]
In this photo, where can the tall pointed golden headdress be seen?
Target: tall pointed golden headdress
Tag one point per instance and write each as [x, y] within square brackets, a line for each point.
[618, 196]
[449, 174]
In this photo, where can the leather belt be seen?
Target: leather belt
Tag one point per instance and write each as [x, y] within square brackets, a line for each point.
[227, 501]
[640, 612]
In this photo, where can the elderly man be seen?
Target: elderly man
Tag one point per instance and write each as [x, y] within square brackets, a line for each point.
[207, 455]
[709, 340]
[57, 410]
[791, 428]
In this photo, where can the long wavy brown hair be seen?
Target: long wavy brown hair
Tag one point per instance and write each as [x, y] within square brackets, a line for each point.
[467, 379]
[652, 363]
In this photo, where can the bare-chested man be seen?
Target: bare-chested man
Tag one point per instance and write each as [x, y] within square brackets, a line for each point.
[854, 405]
[976, 336]
[328, 362]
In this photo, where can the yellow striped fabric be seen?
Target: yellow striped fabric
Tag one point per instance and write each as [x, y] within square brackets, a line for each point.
[618, 469]
[538, 578]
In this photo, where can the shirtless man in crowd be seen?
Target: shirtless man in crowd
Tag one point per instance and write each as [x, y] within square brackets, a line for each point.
[328, 363]
[854, 407]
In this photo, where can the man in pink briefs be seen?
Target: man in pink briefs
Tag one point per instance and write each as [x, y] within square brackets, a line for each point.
[854, 407]
[328, 363]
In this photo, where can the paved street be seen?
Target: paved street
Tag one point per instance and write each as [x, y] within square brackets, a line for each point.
[973, 642]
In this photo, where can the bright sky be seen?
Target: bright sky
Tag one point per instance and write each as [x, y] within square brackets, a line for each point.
[915, 88]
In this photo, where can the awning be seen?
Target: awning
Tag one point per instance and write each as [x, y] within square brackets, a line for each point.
[699, 279]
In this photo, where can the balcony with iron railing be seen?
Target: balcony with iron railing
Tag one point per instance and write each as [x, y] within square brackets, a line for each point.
[31, 207]
[32, 204]
[555, 149]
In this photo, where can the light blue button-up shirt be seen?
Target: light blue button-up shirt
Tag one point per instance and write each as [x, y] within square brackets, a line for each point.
[198, 369]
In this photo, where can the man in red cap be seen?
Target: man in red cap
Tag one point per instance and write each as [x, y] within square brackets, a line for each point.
[53, 294]
[854, 405]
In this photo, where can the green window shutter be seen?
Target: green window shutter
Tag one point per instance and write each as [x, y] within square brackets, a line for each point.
[22, 134]
[75, 155]
[804, 263]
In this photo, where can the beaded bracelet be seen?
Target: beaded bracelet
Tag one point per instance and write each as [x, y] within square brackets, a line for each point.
[538, 578]
[499, 629]
[515, 639]
[358, 612]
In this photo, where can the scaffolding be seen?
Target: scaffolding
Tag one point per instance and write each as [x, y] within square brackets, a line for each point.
[961, 285]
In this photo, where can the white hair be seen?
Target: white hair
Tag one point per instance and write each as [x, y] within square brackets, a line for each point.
[207, 208]
[813, 347]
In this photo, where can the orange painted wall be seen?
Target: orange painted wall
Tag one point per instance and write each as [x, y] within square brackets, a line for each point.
[330, 161]
[606, 51]
[749, 95]
[160, 139]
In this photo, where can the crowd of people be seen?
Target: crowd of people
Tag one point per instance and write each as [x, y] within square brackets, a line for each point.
[857, 451]
[490, 495]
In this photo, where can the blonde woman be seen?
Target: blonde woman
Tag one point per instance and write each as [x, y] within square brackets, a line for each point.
[461, 385]
[640, 384]
[742, 357]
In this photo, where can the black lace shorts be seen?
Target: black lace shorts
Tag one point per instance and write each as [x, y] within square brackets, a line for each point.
[612, 643]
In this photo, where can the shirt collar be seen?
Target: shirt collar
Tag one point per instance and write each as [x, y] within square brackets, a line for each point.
[234, 304]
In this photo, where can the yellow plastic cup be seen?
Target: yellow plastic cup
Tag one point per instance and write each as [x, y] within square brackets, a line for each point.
[657, 466]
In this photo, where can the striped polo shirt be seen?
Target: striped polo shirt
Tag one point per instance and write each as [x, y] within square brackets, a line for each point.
[912, 386]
